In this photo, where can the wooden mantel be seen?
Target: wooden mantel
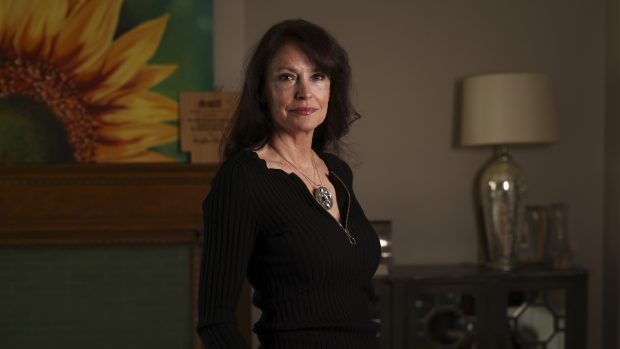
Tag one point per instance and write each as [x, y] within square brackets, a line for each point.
[108, 204]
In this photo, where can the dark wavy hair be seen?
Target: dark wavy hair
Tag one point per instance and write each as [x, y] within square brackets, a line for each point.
[251, 126]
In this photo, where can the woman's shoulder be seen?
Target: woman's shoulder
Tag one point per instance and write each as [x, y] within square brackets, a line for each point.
[240, 164]
[243, 157]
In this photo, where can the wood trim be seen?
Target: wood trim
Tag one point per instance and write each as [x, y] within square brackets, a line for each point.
[180, 172]
[106, 236]
[109, 205]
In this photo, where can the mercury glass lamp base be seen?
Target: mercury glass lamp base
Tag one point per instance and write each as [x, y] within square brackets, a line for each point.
[502, 192]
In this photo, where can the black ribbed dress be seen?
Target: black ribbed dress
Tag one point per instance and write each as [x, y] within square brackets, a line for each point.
[313, 286]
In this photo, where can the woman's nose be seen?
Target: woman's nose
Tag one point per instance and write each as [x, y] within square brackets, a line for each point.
[302, 92]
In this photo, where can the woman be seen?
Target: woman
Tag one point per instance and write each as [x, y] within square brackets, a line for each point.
[281, 210]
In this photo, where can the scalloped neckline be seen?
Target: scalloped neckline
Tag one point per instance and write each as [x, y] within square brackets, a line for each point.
[264, 163]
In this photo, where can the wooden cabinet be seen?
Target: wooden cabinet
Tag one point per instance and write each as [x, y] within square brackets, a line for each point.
[119, 243]
[467, 307]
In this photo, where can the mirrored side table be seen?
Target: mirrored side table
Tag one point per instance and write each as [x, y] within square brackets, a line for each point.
[469, 307]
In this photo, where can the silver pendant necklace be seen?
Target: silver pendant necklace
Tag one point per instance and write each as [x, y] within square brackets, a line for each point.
[321, 194]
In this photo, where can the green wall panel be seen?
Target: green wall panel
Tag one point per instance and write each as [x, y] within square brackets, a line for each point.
[103, 297]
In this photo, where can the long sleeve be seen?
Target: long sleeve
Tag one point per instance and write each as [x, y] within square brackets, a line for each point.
[230, 221]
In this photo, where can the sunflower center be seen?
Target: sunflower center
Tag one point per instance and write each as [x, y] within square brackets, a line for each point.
[29, 132]
[35, 93]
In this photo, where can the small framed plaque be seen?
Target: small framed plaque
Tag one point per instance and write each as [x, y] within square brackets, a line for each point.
[204, 117]
[531, 240]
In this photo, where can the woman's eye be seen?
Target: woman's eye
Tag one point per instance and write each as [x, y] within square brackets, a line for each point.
[286, 77]
[318, 77]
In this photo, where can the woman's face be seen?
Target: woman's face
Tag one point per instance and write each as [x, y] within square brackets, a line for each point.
[297, 92]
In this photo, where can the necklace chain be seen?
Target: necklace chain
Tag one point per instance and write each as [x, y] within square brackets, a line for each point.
[321, 194]
[316, 171]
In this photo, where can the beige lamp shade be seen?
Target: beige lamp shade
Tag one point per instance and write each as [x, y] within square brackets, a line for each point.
[508, 109]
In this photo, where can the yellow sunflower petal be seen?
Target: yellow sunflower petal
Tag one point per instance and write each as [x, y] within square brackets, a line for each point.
[13, 13]
[29, 31]
[55, 22]
[4, 17]
[86, 36]
[148, 76]
[127, 140]
[75, 6]
[140, 108]
[146, 156]
[39, 25]
[129, 54]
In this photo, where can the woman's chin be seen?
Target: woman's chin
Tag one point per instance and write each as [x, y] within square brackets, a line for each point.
[303, 127]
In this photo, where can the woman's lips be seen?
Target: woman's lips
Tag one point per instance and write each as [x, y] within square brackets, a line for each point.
[304, 111]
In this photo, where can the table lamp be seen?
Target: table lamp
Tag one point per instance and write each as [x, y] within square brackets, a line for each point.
[501, 110]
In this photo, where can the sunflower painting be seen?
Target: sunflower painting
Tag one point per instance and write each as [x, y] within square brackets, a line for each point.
[85, 81]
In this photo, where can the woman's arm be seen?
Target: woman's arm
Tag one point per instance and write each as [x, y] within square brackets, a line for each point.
[230, 221]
